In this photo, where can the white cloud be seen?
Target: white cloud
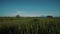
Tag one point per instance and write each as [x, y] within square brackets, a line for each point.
[19, 12]
[15, 13]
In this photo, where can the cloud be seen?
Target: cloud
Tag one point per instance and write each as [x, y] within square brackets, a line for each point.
[15, 13]
[19, 12]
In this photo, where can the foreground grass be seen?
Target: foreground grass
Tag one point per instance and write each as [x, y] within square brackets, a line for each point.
[27, 25]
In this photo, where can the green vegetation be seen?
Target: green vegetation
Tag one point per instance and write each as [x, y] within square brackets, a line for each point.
[29, 25]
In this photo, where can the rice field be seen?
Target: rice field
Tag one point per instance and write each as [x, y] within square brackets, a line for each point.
[29, 25]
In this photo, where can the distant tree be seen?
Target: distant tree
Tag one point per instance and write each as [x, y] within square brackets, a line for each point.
[17, 16]
[49, 16]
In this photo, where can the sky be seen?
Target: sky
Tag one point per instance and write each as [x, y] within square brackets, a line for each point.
[30, 7]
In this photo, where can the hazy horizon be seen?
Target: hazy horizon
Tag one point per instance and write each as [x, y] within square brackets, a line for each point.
[30, 8]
